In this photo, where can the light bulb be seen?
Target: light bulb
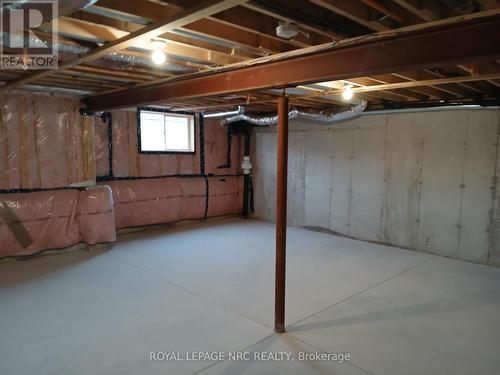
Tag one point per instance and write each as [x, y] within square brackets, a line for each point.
[158, 57]
[347, 93]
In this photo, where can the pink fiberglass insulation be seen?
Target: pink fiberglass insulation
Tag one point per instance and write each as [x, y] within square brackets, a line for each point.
[225, 195]
[52, 130]
[31, 222]
[46, 144]
[157, 200]
[216, 147]
[40, 139]
[96, 215]
[10, 141]
[120, 144]
[101, 143]
[48, 217]
[128, 162]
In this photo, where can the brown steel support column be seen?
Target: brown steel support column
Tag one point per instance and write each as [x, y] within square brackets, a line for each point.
[281, 201]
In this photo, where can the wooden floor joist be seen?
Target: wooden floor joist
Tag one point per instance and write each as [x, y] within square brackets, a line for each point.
[185, 17]
[411, 84]
[215, 37]
[389, 52]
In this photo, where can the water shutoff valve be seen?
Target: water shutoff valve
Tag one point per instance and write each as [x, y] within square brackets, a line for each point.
[246, 165]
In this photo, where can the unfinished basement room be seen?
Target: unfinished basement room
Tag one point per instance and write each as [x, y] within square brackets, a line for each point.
[250, 187]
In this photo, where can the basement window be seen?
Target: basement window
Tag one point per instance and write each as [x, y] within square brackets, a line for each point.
[165, 132]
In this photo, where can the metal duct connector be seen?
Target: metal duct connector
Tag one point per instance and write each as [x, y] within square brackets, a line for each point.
[273, 120]
[239, 111]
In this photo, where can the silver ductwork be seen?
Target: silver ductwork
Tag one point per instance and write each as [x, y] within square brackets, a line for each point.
[64, 7]
[239, 111]
[113, 56]
[143, 61]
[56, 90]
[70, 6]
[273, 120]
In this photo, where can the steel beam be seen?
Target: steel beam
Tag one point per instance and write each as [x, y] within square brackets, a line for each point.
[448, 44]
[281, 201]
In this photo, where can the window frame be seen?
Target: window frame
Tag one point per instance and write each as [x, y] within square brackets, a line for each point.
[165, 111]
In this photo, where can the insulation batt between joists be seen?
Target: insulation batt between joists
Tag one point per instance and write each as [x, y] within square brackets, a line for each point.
[44, 143]
[127, 161]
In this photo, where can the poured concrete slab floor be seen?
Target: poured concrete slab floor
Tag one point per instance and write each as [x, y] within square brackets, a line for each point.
[208, 287]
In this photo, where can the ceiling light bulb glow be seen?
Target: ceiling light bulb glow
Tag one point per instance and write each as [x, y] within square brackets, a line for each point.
[158, 57]
[347, 93]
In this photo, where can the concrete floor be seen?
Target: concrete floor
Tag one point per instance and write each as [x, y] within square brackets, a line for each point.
[209, 287]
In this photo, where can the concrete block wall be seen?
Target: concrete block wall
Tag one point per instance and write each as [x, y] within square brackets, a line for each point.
[424, 180]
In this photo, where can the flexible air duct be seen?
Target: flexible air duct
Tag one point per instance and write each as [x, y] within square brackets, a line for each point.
[273, 120]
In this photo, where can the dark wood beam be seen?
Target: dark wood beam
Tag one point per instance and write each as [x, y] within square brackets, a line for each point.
[384, 10]
[489, 4]
[398, 93]
[313, 15]
[85, 29]
[354, 10]
[263, 25]
[427, 10]
[484, 67]
[387, 52]
[207, 27]
[129, 26]
[430, 82]
[267, 9]
[426, 90]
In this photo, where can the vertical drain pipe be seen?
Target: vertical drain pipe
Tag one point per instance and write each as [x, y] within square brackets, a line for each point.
[281, 201]
[247, 170]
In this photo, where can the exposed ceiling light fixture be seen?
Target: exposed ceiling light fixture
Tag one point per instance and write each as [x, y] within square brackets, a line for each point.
[347, 92]
[287, 30]
[158, 55]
